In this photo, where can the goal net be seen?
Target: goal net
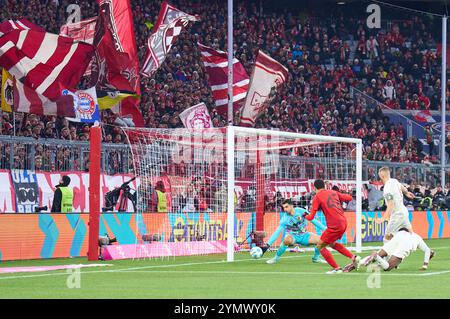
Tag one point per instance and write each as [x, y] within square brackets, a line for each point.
[210, 191]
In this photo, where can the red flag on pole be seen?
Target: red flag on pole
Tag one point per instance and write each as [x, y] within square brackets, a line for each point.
[81, 31]
[267, 74]
[19, 24]
[171, 21]
[216, 65]
[116, 64]
[44, 61]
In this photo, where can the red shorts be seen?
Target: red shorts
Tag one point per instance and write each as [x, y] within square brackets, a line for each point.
[330, 235]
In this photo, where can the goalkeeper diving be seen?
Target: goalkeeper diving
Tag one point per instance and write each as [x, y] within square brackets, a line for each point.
[293, 226]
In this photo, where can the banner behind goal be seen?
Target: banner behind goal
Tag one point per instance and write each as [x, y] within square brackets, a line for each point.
[206, 191]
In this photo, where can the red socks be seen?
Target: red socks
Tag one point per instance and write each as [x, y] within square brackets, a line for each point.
[329, 258]
[342, 250]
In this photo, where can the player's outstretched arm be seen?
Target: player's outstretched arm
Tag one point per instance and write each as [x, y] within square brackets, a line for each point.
[345, 197]
[274, 237]
[407, 193]
[427, 252]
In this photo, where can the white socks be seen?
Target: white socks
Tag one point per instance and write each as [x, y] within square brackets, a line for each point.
[382, 262]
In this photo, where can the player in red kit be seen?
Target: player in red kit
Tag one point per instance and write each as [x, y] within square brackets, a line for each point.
[329, 202]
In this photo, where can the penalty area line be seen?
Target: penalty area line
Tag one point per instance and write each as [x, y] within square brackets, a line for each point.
[124, 270]
[273, 273]
[435, 273]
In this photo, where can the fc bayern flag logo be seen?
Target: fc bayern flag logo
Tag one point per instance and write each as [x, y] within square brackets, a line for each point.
[86, 105]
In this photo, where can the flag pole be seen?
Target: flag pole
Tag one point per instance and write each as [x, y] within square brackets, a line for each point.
[443, 97]
[230, 62]
[14, 123]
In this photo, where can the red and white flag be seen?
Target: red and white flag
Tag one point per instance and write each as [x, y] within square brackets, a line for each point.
[81, 31]
[196, 117]
[19, 24]
[171, 22]
[116, 65]
[216, 65]
[423, 116]
[27, 100]
[44, 61]
[267, 74]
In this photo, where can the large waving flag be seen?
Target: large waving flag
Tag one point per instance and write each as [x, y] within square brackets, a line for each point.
[27, 100]
[43, 61]
[19, 24]
[81, 31]
[216, 65]
[115, 67]
[267, 74]
[116, 64]
[171, 21]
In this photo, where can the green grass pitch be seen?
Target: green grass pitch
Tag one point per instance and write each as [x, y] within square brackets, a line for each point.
[210, 277]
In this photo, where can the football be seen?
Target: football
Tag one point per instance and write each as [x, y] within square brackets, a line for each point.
[256, 252]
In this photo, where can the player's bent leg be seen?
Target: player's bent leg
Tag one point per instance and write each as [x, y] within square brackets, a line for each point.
[328, 257]
[314, 240]
[393, 262]
[343, 251]
[288, 240]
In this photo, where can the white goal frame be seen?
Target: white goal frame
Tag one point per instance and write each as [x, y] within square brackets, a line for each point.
[231, 133]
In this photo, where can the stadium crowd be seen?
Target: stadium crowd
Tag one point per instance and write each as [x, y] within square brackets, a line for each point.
[325, 57]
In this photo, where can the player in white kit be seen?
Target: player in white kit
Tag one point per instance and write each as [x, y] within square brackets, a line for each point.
[402, 244]
[396, 211]
[398, 248]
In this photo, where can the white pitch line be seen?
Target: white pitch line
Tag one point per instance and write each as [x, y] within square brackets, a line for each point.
[266, 272]
[435, 273]
[187, 264]
[136, 268]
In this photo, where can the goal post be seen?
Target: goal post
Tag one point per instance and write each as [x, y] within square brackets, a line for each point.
[278, 140]
[95, 138]
[205, 191]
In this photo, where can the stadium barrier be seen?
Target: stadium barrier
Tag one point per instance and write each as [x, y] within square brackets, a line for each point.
[23, 190]
[52, 155]
[38, 236]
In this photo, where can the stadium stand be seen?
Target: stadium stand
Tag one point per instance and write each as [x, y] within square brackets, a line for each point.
[325, 57]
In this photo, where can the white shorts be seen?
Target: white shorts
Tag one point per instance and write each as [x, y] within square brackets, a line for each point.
[397, 221]
[400, 246]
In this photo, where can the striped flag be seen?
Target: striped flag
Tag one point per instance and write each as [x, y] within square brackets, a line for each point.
[19, 24]
[267, 74]
[27, 100]
[81, 31]
[44, 61]
[171, 21]
[216, 65]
